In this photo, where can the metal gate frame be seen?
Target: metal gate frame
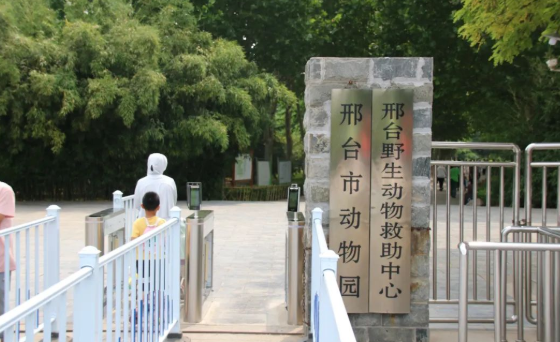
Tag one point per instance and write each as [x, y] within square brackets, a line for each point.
[528, 301]
[515, 165]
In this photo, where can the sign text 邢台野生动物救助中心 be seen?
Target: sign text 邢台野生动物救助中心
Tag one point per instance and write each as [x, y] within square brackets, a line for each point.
[370, 197]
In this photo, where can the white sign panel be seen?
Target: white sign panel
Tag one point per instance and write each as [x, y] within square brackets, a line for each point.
[284, 172]
[243, 167]
[263, 173]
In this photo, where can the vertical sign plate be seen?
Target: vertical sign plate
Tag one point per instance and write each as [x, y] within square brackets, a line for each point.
[391, 193]
[350, 193]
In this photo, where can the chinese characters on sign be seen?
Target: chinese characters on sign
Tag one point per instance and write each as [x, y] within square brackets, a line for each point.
[350, 194]
[391, 184]
[370, 197]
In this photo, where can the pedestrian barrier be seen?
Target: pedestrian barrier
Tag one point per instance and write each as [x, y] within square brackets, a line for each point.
[533, 299]
[126, 203]
[329, 319]
[35, 247]
[129, 294]
[481, 291]
[550, 280]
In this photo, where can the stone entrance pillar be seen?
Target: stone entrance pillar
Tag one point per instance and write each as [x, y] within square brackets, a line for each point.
[321, 76]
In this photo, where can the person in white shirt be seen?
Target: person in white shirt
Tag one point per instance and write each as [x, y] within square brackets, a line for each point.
[441, 175]
[157, 182]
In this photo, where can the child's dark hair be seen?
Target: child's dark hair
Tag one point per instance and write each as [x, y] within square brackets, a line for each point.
[150, 201]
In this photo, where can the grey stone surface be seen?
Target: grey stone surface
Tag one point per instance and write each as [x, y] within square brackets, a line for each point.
[419, 290]
[424, 93]
[317, 168]
[318, 118]
[423, 117]
[325, 74]
[428, 68]
[420, 216]
[389, 68]
[421, 166]
[317, 94]
[316, 143]
[365, 320]
[422, 335]
[361, 334]
[421, 144]
[420, 266]
[346, 69]
[313, 70]
[418, 316]
[316, 192]
[421, 193]
[391, 334]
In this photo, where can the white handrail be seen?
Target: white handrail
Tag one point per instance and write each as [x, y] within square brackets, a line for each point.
[329, 319]
[34, 248]
[126, 203]
[138, 242]
[25, 226]
[337, 309]
[130, 294]
[30, 307]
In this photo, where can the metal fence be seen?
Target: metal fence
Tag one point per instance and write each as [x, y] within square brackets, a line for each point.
[533, 259]
[550, 279]
[533, 286]
[486, 228]
[35, 250]
[329, 319]
[130, 294]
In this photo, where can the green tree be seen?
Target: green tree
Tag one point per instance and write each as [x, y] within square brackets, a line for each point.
[277, 35]
[89, 88]
[512, 26]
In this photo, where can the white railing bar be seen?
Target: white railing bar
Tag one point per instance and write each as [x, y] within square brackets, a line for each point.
[344, 328]
[122, 250]
[29, 307]
[27, 225]
[320, 236]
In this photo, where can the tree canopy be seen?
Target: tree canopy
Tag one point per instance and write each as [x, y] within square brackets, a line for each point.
[511, 26]
[90, 88]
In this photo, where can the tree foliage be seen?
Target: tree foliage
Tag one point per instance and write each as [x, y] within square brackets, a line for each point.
[512, 26]
[89, 88]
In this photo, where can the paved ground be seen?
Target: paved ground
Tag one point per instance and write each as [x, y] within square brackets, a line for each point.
[249, 263]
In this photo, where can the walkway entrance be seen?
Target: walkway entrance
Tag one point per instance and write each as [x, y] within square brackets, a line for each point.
[249, 267]
[248, 290]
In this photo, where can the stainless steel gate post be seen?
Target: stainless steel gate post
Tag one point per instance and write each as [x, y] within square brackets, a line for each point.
[294, 267]
[199, 262]
[109, 222]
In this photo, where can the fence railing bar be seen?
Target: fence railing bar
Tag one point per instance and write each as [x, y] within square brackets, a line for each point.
[37, 302]
[122, 250]
[27, 225]
[472, 163]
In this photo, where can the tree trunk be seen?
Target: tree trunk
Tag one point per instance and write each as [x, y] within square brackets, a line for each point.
[289, 142]
[299, 118]
[269, 137]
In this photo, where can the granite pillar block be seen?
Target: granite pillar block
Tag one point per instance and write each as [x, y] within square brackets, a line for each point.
[322, 75]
